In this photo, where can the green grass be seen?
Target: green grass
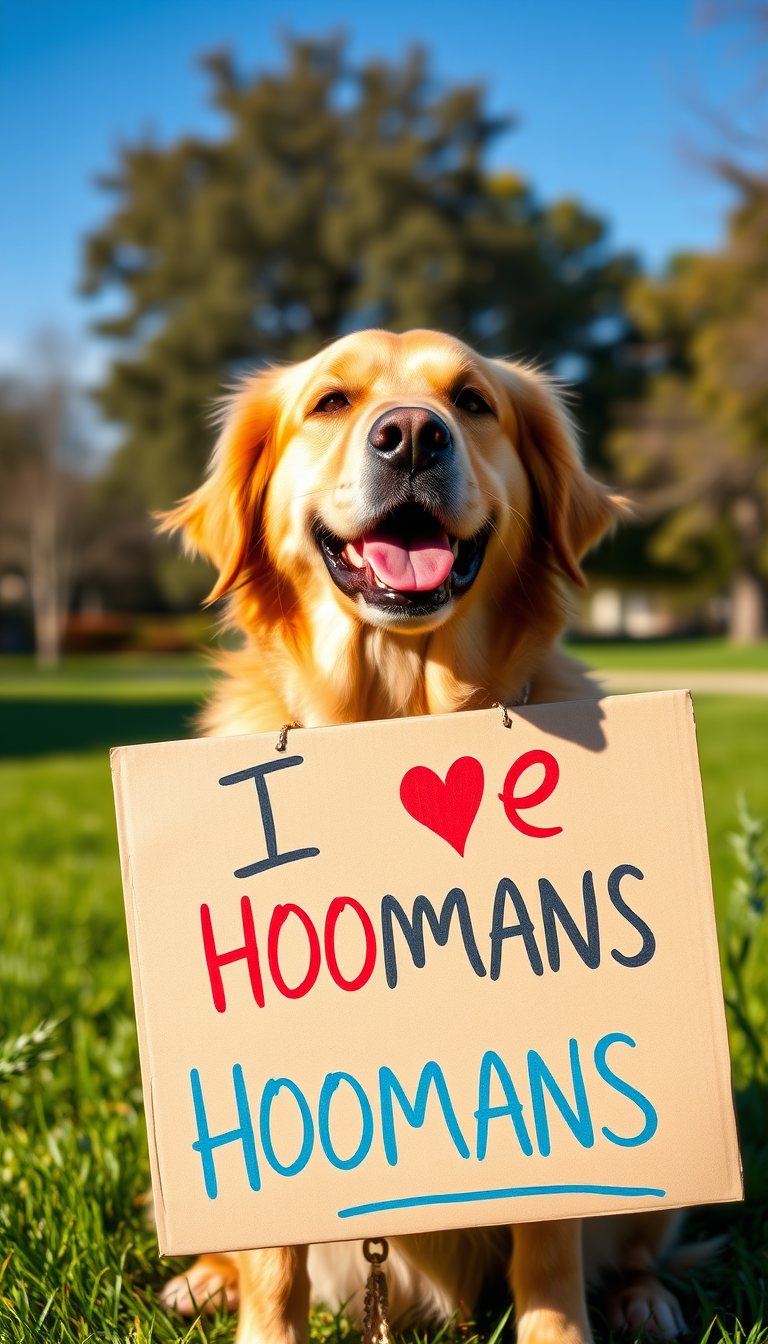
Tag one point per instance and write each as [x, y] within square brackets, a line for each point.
[79, 1260]
[693, 655]
[98, 702]
[117, 677]
[732, 734]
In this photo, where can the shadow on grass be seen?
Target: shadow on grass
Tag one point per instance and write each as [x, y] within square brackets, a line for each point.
[37, 727]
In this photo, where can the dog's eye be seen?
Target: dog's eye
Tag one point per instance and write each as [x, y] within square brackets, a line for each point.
[332, 401]
[471, 401]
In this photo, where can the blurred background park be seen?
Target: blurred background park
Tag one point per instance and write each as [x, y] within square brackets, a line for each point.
[190, 189]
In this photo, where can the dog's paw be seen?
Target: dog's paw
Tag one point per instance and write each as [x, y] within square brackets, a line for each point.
[208, 1285]
[645, 1304]
[541, 1325]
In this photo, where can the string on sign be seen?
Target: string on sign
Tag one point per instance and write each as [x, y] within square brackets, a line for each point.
[282, 737]
[505, 708]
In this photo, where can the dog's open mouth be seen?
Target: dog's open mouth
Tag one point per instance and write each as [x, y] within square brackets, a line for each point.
[408, 564]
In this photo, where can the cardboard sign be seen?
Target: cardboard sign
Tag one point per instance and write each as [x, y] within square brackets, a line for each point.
[426, 973]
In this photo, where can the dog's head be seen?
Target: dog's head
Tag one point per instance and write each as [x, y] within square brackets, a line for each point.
[403, 476]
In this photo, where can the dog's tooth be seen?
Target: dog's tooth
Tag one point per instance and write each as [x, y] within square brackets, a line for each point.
[352, 557]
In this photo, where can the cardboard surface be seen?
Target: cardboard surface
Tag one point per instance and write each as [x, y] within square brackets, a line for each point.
[319, 1067]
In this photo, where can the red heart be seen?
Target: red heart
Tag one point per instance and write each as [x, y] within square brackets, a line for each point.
[447, 808]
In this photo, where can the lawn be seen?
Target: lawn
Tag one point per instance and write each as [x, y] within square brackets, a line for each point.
[691, 655]
[79, 1260]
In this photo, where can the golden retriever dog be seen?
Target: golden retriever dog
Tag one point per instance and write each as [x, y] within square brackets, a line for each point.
[394, 524]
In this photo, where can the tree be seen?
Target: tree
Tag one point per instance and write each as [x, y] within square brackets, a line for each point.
[696, 449]
[39, 490]
[57, 540]
[337, 198]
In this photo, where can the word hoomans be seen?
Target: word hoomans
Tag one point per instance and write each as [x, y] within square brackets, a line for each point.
[316, 1120]
[556, 920]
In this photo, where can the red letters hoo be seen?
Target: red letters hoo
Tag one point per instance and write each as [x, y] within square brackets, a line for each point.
[250, 952]
[449, 808]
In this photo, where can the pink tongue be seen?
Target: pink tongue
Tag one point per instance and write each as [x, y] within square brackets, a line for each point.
[419, 566]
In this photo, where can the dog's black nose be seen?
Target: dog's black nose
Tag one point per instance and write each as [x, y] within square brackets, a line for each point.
[410, 437]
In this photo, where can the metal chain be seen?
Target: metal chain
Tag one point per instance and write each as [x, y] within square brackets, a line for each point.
[376, 1308]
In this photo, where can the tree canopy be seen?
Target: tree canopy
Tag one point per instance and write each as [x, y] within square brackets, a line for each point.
[696, 448]
[336, 198]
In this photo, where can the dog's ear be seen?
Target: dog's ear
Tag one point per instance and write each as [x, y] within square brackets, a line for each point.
[221, 520]
[575, 508]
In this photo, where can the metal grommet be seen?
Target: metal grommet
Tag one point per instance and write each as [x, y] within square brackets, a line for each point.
[376, 1257]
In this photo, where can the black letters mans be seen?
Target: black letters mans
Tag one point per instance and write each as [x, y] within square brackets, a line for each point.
[508, 901]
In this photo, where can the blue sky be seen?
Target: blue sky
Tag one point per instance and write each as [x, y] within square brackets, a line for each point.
[603, 90]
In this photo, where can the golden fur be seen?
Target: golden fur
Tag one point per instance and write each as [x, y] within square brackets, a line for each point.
[291, 462]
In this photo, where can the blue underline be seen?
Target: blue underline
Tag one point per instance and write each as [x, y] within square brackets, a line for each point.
[513, 1192]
